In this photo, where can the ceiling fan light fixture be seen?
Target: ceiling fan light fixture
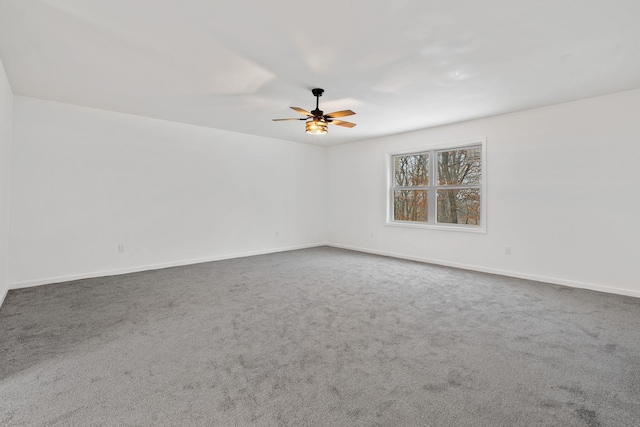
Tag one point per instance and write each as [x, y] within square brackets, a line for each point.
[317, 122]
[316, 127]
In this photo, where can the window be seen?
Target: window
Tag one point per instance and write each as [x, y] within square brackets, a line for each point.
[441, 187]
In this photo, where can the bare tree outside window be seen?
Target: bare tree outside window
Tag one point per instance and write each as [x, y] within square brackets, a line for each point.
[459, 168]
[411, 177]
[411, 205]
[438, 186]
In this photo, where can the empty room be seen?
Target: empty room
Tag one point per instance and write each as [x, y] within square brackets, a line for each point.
[364, 213]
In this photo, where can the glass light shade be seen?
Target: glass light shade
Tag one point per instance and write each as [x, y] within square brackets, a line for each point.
[316, 127]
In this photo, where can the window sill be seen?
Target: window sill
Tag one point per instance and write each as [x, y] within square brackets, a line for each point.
[441, 227]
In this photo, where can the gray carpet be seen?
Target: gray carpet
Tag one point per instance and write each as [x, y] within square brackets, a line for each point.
[317, 337]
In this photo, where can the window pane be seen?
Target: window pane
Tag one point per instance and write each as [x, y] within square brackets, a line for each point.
[410, 205]
[459, 167]
[459, 206]
[411, 171]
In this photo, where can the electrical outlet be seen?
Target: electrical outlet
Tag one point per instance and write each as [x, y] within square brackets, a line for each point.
[121, 248]
[507, 250]
[277, 234]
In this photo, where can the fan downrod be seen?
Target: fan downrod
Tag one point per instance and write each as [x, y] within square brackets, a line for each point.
[317, 92]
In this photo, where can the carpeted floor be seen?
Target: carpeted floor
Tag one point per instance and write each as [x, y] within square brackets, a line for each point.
[317, 337]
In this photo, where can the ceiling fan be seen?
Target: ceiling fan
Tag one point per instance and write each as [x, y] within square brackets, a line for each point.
[317, 121]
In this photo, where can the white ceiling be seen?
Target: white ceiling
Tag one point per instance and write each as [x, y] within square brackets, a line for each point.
[399, 64]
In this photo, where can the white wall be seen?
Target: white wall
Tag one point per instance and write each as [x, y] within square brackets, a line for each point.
[87, 180]
[563, 191]
[6, 121]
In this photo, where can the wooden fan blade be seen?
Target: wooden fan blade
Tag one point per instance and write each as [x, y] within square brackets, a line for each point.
[341, 123]
[280, 120]
[342, 113]
[301, 111]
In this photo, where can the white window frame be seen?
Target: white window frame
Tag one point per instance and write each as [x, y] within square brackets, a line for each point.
[433, 187]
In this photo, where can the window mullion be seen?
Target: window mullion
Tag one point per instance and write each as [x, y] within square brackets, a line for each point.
[456, 187]
[431, 192]
[417, 187]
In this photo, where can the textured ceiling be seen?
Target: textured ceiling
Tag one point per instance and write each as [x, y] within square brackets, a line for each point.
[400, 64]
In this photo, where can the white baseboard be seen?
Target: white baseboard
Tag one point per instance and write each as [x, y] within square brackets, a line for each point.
[3, 296]
[553, 280]
[556, 281]
[50, 280]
